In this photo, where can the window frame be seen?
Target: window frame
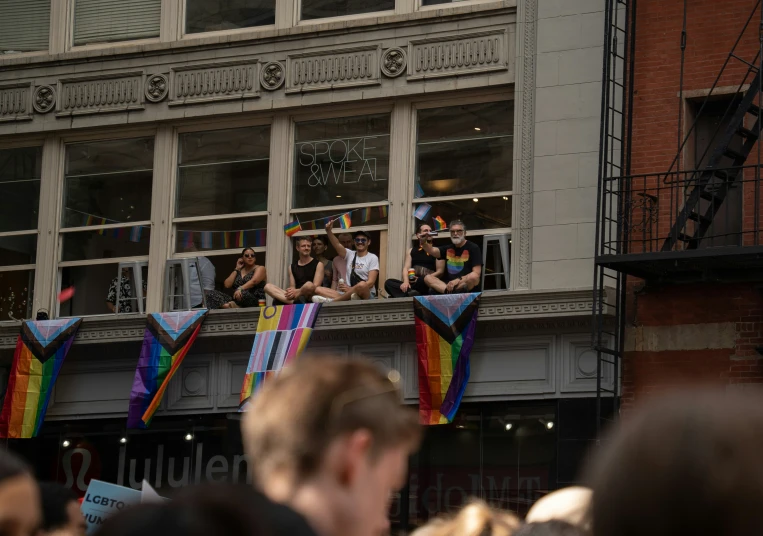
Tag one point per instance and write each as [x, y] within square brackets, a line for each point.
[52, 27]
[299, 21]
[253, 30]
[60, 230]
[71, 47]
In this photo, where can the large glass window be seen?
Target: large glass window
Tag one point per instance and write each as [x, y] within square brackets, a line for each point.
[106, 227]
[318, 9]
[221, 199]
[20, 192]
[215, 15]
[24, 25]
[106, 21]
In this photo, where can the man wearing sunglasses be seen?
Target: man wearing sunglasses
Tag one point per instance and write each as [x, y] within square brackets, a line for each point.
[463, 263]
[362, 270]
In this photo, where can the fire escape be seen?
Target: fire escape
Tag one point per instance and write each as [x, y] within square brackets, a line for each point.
[698, 224]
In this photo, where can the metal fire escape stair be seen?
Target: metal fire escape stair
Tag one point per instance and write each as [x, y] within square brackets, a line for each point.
[724, 167]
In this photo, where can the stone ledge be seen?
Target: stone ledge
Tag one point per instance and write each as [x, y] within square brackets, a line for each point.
[506, 307]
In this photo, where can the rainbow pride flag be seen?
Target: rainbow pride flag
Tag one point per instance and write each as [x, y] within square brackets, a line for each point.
[283, 332]
[345, 221]
[292, 228]
[439, 223]
[445, 327]
[166, 341]
[40, 352]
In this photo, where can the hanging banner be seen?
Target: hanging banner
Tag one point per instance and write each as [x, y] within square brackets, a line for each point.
[445, 327]
[166, 341]
[283, 333]
[40, 352]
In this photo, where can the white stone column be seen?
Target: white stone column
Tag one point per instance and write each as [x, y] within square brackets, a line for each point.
[51, 186]
[524, 141]
[162, 193]
[401, 177]
[171, 24]
[279, 197]
[59, 25]
[286, 13]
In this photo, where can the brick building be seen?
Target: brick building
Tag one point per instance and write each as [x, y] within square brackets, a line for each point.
[685, 244]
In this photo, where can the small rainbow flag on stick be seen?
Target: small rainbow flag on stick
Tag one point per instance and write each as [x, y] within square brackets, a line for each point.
[345, 222]
[166, 342]
[439, 224]
[292, 228]
[40, 352]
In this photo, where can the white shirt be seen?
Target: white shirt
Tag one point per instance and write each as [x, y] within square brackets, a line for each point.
[363, 266]
[207, 270]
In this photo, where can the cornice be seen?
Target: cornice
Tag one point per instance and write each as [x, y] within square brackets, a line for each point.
[392, 319]
[217, 40]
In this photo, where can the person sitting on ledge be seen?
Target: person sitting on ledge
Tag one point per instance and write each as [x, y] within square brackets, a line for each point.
[362, 270]
[305, 275]
[247, 278]
[463, 262]
[340, 266]
[423, 265]
[320, 246]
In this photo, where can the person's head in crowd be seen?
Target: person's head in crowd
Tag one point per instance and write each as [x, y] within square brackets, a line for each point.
[249, 257]
[683, 463]
[202, 511]
[553, 527]
[20, 512]
[422, 231]
[320, 245]
[457, 232]
[346, 240]
[303, 245]
[362, 242]
[338, 449]
[474, 519]
[61, 513]
[571, 504]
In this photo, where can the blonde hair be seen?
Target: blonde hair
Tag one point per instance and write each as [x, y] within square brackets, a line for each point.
[296, 416]
[474, 519]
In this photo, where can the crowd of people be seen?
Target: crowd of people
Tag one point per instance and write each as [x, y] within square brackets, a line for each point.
[329, 442]
[352, 274]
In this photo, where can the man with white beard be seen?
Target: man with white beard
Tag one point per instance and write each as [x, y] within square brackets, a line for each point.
[463, 263]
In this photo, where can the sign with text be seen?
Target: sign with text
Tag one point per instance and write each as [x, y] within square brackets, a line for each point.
[103, 500]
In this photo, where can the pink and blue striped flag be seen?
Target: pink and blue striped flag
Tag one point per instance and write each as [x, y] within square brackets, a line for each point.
[283, 333]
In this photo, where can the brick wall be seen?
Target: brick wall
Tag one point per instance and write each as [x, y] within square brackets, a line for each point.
[686, 333]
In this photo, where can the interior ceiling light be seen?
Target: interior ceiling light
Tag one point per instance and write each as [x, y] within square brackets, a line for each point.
[188, 436]
[509, 426]
[65, 443]
[475, 200]
[477, 129]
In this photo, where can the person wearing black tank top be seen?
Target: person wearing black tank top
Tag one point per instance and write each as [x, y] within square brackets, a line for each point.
[305, 275]
[422, 263]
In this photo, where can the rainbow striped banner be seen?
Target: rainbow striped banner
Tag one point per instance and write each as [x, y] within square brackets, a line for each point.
[383, 211]
[365, 214]
[445, 328]
[283, 333]
[206, 239]
[292, 228]
[345, 221]
[166, 341]
[260, 238]
[40, 352]
[136, 233]
[187, 239]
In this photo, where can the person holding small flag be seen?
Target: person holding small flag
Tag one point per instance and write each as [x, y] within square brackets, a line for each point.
[463, 262]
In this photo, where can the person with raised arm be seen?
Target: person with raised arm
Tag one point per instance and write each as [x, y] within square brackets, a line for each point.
[462, 260]
[418, 264]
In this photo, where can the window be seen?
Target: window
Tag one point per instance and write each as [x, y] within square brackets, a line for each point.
[215, 15]
[221, 199]
[24, 25]
[20, 191]
[106, 21]
[464, 170]
[319, 9]
[106, 227]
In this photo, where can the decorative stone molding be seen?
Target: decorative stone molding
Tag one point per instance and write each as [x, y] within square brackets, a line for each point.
[100, 94]
[14, 102]
[44, 99]
[579, 365]
[524, 108]
[272, 75]
[214, 82]
[157, 87]
[457, 55]
[393, 62]
[348, 67]
[500, 312]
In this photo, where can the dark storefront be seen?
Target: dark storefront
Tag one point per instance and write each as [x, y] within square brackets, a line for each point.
[508, 453]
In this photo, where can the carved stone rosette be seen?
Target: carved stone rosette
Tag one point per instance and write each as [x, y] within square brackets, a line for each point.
[393, 62]
[272, 75]
[157, 87]
[44, 99]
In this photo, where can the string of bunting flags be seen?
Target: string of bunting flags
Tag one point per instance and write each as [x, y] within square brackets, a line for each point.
[345, 221]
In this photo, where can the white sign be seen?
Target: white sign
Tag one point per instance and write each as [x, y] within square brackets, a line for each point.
[341, 161]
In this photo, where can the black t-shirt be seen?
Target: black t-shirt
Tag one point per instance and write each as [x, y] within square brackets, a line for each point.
[459, 261]
[420, 258]
[303, 274]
